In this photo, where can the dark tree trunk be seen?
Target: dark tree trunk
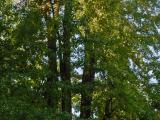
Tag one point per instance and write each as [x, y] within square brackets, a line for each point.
[87, 81]
[52, 77]
[65, 67]
[51, 87]
[108, 110]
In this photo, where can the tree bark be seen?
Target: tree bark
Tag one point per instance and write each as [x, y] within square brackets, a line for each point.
[65, 65]
[108, 112]
[51, 87]
[87, 81]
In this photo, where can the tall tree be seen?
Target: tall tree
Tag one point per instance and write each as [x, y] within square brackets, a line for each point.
[87, 79]
[102, 55]
[65, 61]
[52, 28]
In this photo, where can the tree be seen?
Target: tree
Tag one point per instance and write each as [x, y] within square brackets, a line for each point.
[79, 59]
[65, 66]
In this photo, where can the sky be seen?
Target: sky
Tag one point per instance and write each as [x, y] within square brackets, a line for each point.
[16, 1]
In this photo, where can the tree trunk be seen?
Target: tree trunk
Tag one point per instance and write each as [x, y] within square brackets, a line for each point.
[87, 81]
[51, 87]
[65, 67]
[108, 111]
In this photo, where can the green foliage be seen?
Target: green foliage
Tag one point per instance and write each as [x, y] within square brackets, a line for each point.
[124, 37]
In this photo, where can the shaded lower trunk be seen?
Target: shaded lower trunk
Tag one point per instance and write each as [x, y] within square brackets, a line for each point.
[66, 90]
[108, 110]
[65, 72]
[51, 87]
[87, 82]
